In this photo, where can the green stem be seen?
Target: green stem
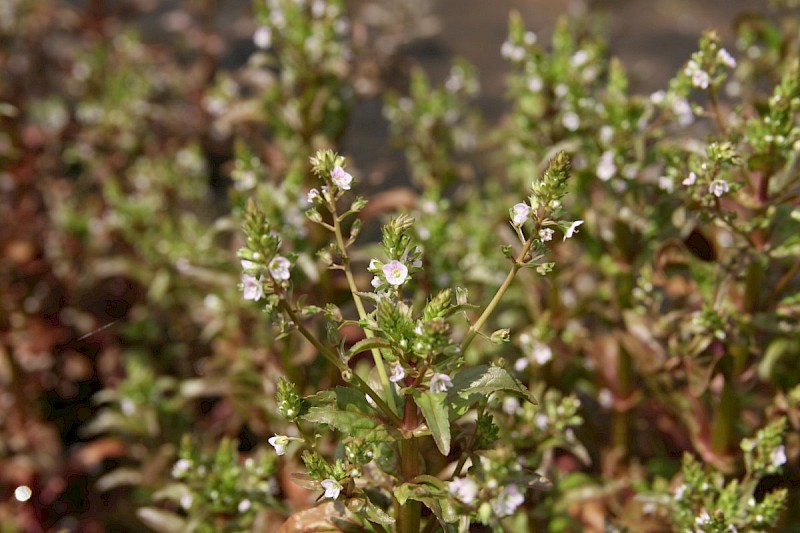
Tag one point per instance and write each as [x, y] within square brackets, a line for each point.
[408, 520]
[723, 431]
[328, 354]
[622, 419]
[476, 327]
[717, 113]
[362, 313]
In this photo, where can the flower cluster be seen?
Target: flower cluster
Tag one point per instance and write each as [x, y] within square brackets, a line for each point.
[265, 271]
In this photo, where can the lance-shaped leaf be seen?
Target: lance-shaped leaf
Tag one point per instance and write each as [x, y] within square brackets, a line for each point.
[377, 515]
[483, 380]
[367, 344]
[161, 521]
[346, 409]
[434, 408]
[435, 499]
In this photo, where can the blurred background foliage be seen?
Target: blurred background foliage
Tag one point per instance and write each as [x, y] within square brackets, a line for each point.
[137, 387]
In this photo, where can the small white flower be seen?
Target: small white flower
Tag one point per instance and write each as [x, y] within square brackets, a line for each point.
[690, 179]
[700, 79]
[180, 467]
[376, 282]
[535, 84]
[263, 37]
[396, 272]
[683, 110]
[279, 267]
[186, 501]
[571, 121]
[373, 265]
[398, 373]
[529, 38]
[441, 383]
[521, 364]
[247, 264]
[313, 194]
[512, 52]
[778, 456]
[318, 9]
[332, 488]
[606, 167]
[541, 421]
[244, 506]
[572, 229]
[718, 188]
[546, 234]
[658, 97]
[724, 57]
[341, 178]
[579, 58]
[665, 183]
[507, 501]
[279, 442]
[520, 213]
[252, 288]
[510, 405]
[680, 492]
[541, 352]
[606, 134]
[464, 489]
[703, 519]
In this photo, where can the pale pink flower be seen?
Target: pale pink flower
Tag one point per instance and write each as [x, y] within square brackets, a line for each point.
[441, 383]
[252, 288]
[332, 488]
[520, 213]
[396, 273]
[279, 268]
[341, 178]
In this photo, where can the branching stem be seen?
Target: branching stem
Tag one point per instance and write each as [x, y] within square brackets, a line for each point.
[515, 267]
[328, 354]
[362, 314]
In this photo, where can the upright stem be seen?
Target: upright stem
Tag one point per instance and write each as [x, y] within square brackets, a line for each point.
[408, 520]
[476, 327]
[625, 371]
[622, 419]
[726, 416]
[362, 314]
[717, 113]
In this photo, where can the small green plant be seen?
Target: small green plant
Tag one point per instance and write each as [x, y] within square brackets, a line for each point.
[418, 382]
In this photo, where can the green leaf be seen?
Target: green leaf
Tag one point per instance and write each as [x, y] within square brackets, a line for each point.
[435, 411]
[436, 500]
[377, 515]
[483, 380]
[353, 423]
[304, 480]
[367, 344]
[430, 480]
[174, 492]
[351, 399]
[119, 477]
[161, 521]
